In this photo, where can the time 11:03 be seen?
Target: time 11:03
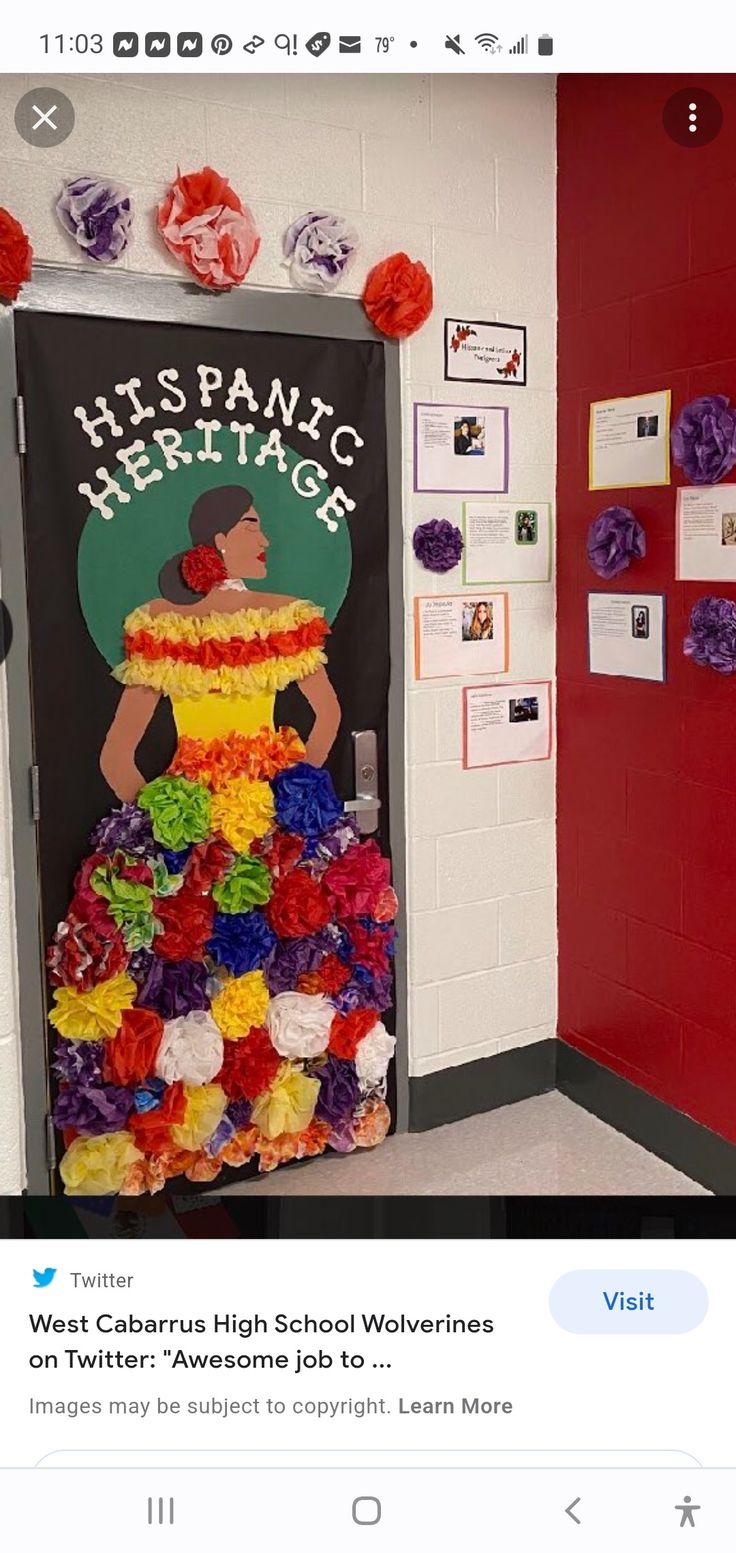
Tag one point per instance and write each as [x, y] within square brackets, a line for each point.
[83, 43]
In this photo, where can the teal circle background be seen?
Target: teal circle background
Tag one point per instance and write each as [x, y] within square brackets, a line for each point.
[120, 558]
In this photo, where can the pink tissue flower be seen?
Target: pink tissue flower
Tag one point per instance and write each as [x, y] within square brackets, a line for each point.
[204, 223]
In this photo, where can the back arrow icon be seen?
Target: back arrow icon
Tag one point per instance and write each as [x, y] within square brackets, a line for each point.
[569, 1511]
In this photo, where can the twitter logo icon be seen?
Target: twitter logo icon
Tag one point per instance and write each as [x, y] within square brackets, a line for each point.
[42, 1280]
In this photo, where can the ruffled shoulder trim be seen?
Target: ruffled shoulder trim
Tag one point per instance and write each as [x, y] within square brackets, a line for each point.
[247, 652]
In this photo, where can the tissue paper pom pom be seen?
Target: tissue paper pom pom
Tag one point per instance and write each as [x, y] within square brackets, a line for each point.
[398, 296]
[246, 884]
[280, 852]
[180, 810]
[241, 1147]
[97, 1167]
[191, 1049]
[248, 1067]
[298, 906]
[299, 1025]
[152, 1129]
[170, 987]
[79, 956]
[241, 1005]
[127, 829]
[288, 1106]
[241, 811]
[240, 941]
[355, 880]
[339, 1090]
[319, 248]
[372, 946]
[712, 638]
[347, 1030]
[257, 756]
[330, 977]
[204, 1108]
[208, 862]
[98, 215]
[16, 255]
[81, 1062]
[131, 1054]
[292, 1145]
[306, 801]
[372, 1125]
[92, 1109]
[94, 1015]
[614, 540]
[438, 545]
[704, 439]
[373, 1056]
[202, 568]
[186, 920]
[204, 223]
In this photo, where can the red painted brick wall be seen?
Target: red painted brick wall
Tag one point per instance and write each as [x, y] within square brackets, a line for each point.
[647, 773]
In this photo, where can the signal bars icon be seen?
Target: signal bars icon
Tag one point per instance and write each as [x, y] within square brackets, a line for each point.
[522, 47]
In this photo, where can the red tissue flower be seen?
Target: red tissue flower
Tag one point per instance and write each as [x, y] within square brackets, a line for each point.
[329, 978]
[298, 906]
[130, 1057]
[80, 956]
[204, 223]
[370, 948]
[356, 881]
[187, 924]
[398, 296]
[347, 1030]
[203, 568]
[280, 851]
[87, 905]
[16, 255]
[152, 1129]
[208, 862]
[249, 1066]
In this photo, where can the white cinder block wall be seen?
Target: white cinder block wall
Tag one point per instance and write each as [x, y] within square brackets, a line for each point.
[459, 172]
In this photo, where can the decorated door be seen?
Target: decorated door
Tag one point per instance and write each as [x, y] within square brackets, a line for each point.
[207, 552]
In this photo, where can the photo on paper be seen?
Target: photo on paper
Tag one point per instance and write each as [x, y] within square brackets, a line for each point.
[480, 351]
[506, 541]
[478, 621]
[461, 449]
[647, 425]
[640, 622]
[706, 533]
[728, 528]
[526, 525]
[524, 710]
[626, 635]
[470, 438]
[506, 724]
[629, 441]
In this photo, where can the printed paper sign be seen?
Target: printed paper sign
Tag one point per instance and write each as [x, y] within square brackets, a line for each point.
[483, 352]
[461, 448]
[506, 541]
[626, 634]
[456, 635]
[506, 724]
[706, 533]
[629, 442]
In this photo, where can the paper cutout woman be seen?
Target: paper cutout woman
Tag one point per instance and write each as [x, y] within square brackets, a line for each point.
[223, 965]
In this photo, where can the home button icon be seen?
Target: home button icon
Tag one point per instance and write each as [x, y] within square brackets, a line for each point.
[366, 1510]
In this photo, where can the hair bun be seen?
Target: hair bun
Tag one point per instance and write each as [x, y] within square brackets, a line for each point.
[203, 568]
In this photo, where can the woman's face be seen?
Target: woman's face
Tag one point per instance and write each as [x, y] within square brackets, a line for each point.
[465, 428]
[243, 548]
[482, 613]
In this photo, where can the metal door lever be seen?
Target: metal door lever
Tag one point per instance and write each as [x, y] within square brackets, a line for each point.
[366, 804]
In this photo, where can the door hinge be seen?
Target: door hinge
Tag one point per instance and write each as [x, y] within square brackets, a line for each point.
[20, 424]
[51, 1159]
[35, 793]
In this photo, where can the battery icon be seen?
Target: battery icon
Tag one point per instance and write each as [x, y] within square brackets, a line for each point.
[545, 44]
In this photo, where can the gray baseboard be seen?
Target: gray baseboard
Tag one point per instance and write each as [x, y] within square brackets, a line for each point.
[474, 1087]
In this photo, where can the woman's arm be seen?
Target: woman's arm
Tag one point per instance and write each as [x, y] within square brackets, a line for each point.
[117, 758]
[318, 691]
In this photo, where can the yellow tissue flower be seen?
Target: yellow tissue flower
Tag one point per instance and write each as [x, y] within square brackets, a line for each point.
[205, 1106]
[241, 1005]
[95, 1015]
[288, 1106]
[243, 810]
[97, 1167]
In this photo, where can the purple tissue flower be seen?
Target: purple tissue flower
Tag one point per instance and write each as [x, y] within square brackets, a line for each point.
[704, 439]
[99, 216]
[238, 1112]
[438, 544]
[128, 828]
[339, 1090]
[169, 987]
[79, 1062]
[292, 958]
[319, 249]
[93, 1111]
[712, 638]
[614, 540]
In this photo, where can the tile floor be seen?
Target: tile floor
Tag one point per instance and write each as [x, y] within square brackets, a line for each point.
[547, 1145]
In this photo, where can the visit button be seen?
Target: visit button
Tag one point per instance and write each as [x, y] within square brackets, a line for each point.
[628, 1301]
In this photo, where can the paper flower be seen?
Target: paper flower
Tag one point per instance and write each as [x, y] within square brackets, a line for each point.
[704, 439]
[153, 1128]
[249, 1066]
[127, 829]
[355, 881]
[438, 544]
[241, 941]
[371, 1126]
[131, 1054]
[299, 1025]
[241, 1005]
[92, 1110]
[712, 638]
[258, 756]
[319, 249]
[348, 1029]
[365, 991]
[288, 1106]
[339, 1090]
[169, 987]
[204, 223]
[299, 906]
[203, 568]
[398, 296]
[330, 976]
[94, 1015]
[16, 256]
[373, 1056]
[179, 810]
[81, 1062]
[203, 1114]
[614, 540]
[306, 801]
[98, 215]
[191, 1049]
[241, 811]
[290, 960]
[97, 1167]
[246, 884]
[79, 956]
[185, 921]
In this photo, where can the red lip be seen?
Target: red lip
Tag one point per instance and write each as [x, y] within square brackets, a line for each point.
[262, 556]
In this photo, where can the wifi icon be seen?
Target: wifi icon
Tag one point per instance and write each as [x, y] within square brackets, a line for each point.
[489, 42]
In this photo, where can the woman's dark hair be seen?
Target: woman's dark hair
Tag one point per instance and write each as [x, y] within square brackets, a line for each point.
[214, 512]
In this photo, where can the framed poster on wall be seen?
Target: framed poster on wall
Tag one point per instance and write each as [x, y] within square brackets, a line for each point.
[485, 352]
[461, 448]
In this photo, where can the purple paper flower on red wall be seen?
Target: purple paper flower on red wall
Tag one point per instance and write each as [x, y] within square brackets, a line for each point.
[712, 638]
[704, 439]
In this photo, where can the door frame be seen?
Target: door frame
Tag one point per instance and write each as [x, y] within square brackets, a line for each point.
[149, 299]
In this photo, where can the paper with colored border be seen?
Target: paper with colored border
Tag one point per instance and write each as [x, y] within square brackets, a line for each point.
[481, 351]
[506, 724]
[507, 541]
[458, 635]
[706, 533]
[626, 635]
[461, 448]
[629, 442]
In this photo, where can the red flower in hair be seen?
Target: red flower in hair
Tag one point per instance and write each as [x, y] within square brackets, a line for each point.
[203, 568]
[249, 1066]
[152, 1129]
[298, 906]
[398, 296]
[347, 1030]
[16, 255]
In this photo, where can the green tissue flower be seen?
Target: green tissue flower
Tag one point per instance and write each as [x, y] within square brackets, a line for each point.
[179, 809]
[164, 883]
[130, 905]
[246, 884]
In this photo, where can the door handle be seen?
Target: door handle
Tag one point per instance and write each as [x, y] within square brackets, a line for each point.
[366, 804]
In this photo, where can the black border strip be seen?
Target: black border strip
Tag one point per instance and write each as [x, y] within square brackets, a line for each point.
[474, 1087]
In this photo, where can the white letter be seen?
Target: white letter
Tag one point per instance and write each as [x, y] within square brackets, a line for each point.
[240, 389]
[348, 431]
[241, 432]
[168, 378]
[142, 412]
[110, 488]
[277, 395]
[169, 441]
[310, 486]
[209, 377]
[320, 409]
[206, 453]
[105, 418]
[333, 504]
[272, 449]
[132, 463]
